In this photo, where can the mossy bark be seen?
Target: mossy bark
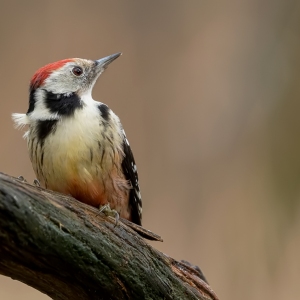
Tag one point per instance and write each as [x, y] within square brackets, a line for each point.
[69, 250]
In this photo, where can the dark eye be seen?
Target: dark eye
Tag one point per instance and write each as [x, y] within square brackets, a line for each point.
[77, 71]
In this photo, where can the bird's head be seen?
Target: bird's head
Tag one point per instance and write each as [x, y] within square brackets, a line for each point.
[57, 89]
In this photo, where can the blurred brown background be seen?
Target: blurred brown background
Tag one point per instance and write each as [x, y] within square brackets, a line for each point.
[208, 93]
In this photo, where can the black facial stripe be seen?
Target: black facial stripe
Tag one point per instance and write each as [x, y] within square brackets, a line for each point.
[44, 128]
[104, 109]
[63, 104]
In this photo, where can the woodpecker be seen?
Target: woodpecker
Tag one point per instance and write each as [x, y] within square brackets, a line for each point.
[77, 145]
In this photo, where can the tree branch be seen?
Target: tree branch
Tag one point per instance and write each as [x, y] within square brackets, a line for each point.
[68, 250]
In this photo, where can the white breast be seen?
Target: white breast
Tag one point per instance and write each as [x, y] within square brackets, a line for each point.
[81, 148]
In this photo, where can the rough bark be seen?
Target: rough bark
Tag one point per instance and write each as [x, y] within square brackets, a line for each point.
[69, 250]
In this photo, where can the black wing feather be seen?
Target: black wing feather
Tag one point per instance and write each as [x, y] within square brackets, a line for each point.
[130, 172]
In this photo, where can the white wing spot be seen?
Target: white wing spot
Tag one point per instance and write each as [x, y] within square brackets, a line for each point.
[123, 131]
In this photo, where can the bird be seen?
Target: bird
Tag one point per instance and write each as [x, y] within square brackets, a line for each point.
[77, 146]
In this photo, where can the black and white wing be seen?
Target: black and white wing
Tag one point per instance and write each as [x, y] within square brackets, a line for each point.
[130, 172]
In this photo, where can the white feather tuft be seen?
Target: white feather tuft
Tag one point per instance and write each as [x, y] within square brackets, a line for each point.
[20, 120]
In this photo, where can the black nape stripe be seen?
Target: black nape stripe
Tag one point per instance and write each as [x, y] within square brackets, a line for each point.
[44, 128]
[104, 109]
[63, 104]
[31, 101]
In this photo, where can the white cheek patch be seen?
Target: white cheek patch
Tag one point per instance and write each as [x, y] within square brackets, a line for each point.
[61, 78]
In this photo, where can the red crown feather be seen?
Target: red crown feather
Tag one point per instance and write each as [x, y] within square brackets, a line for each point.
[43, 73]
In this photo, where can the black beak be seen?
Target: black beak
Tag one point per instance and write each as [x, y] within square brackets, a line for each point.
[103, 63]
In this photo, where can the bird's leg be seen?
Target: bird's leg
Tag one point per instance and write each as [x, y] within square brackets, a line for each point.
[36, 183]
[109, 212]
[21, 178]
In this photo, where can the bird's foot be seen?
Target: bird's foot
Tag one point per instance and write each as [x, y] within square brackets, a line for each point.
[21, 178]
[109, 212]
[36, 183]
